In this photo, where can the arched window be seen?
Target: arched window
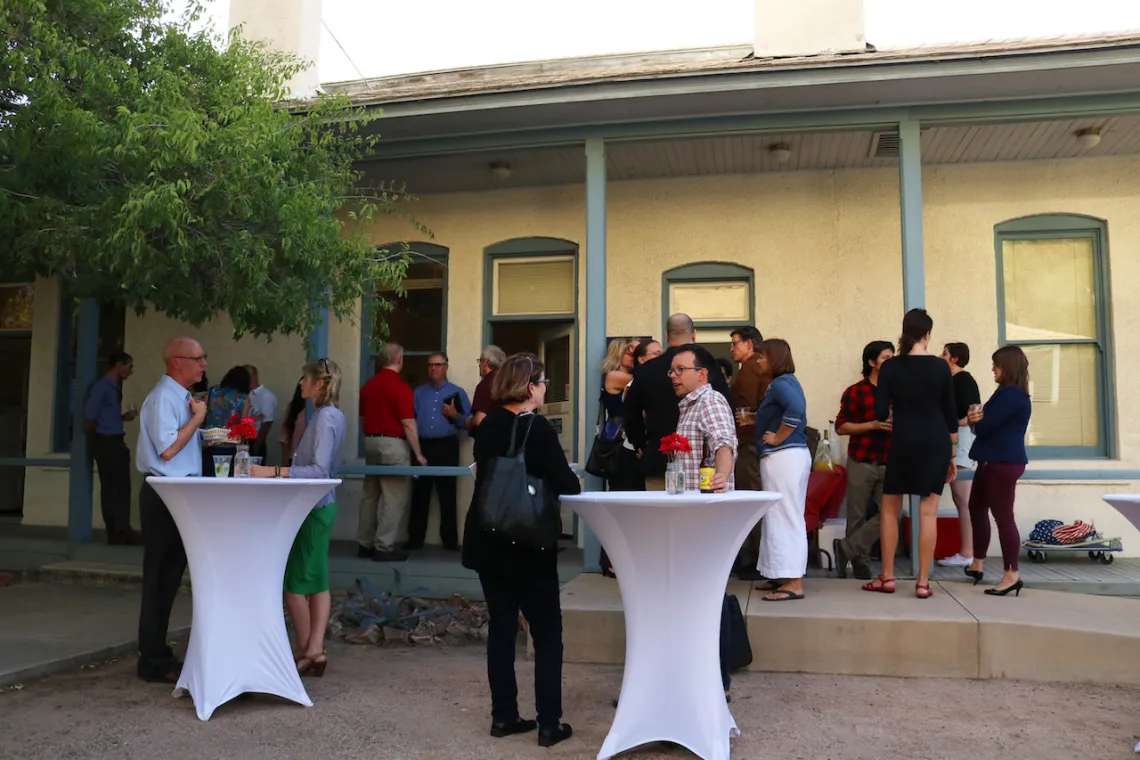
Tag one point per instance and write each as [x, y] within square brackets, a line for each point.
[1053, 301]
[718, 295]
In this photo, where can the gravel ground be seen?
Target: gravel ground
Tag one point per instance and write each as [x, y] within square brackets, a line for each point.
[431, 704]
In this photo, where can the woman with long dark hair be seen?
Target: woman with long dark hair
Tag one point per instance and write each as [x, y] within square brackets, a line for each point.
[293, 427]
[517, 578]
[999, 450]
[916, 394]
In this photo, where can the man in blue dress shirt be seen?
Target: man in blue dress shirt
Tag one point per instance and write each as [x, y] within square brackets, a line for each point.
[103, 420]
[169, 445]
[442, 410]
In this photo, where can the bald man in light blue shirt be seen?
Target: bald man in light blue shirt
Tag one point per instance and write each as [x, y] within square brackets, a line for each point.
[169, 445]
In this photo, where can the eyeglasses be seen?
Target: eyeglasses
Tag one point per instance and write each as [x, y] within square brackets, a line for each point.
[437, 364]
[200, 359]
[676, 371]
[543, 381]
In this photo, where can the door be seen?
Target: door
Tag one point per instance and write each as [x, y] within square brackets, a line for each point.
[556, 350]
[15, 357]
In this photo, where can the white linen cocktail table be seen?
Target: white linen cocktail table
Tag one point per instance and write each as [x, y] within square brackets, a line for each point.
[1127, 504]
[672, 556]
[237, 533]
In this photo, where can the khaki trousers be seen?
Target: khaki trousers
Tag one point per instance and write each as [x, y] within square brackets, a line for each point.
[384, 504]
[748, 479]
[864, 481]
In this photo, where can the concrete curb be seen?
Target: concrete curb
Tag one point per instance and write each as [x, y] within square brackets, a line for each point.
[36, 671]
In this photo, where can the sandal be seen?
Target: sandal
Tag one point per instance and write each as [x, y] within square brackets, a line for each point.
[885, 585]
[769, 586]
[312, 666]
[782, 595]
[922, 590]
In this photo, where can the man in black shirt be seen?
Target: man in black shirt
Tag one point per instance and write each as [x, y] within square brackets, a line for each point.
[651, 403]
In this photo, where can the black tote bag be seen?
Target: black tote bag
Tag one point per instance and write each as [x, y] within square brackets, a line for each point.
[517, 506]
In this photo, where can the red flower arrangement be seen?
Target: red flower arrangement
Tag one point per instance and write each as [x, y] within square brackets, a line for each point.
[241, 428]
[675, 444]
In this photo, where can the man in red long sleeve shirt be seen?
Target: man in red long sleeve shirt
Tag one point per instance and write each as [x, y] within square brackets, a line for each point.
[866, 463]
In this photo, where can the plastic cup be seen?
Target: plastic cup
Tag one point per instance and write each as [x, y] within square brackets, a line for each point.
[254, 460]
[222, 466]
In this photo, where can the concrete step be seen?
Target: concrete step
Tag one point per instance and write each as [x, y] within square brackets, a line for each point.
[95, 574]
[958, 633]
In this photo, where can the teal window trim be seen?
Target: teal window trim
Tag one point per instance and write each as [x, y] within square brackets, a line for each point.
[368, 316]
[708, 271]
[535, 247]
[1067, 227]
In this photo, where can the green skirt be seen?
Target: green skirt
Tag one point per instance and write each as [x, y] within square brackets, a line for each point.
[307, 571]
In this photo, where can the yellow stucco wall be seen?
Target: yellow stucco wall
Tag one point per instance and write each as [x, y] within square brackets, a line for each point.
[825, 249]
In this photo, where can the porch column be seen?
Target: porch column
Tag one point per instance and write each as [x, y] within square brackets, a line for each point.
[913, 269]
[595, 315]
[79, 488]
[317, 347]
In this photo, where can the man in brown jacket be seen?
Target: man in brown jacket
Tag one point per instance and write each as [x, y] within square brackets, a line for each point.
[747, 391]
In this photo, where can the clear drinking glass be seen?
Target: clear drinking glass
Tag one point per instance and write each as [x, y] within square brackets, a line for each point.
[221, 466]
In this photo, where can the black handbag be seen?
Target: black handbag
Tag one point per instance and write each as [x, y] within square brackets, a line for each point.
[603, 459]
[738, 654]
[517, 506]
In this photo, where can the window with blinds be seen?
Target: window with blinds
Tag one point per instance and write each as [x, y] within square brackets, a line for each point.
[1053, 306]
[710, 301]
[529, 286]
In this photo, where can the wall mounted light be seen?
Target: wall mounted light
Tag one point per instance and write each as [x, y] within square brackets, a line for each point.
[1088, 137]
[780, 152]
[500, 169]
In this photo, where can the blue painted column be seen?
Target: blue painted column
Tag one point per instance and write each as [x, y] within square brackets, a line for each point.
[913, 268]
[317, 346]
[595, 315]
[80, 492]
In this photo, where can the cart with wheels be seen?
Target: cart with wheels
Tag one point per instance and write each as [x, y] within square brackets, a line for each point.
[1096, 546]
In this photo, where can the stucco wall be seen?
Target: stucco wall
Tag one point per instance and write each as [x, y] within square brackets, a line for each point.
[825, 249]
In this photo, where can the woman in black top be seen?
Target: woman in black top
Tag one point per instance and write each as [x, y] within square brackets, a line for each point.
[966, 395]
[513, 577]
[916, 394]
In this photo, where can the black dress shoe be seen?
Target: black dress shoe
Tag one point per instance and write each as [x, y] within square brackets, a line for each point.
[412, 546]
[390, 556]
[550, 735]
[364, 552]
[519, 726]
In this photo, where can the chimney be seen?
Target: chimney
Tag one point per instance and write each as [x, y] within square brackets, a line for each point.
[288, 26]
[789, 28]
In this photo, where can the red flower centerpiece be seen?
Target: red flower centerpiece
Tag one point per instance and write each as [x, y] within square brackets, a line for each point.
[671, 446]
[242, 429]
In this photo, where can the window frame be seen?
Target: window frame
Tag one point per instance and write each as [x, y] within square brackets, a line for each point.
[368, 355]
[1070, 227]
[65, 370]
[708, 272]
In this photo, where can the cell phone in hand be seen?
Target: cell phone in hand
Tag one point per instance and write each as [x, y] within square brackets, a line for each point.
[453, 399]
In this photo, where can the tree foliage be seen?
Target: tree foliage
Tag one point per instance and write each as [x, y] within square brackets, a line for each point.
[145, 163]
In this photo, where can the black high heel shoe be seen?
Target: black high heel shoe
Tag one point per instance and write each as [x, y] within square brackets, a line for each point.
[1015, 588]
[975, 574]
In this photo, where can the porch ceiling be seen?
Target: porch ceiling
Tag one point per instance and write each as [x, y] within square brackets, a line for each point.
[746, 154]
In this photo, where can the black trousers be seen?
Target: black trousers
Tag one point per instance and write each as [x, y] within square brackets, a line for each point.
[164, 561]
[629, 477]
[538, 600]
[439, 452]
[113, 459]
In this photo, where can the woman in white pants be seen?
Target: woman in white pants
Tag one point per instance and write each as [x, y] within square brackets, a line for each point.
[785, 466]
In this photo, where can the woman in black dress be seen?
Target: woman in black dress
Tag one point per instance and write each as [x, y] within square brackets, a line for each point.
[916, 394]
[516, 578]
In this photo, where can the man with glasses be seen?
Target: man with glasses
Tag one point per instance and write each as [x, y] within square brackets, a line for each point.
[169, 445]
[652, 405]
[442, 411]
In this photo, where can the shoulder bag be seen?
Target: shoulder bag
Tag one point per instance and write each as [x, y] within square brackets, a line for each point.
[517, 506]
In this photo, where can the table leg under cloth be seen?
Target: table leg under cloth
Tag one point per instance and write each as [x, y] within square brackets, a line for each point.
[237, 542]
[672, 564]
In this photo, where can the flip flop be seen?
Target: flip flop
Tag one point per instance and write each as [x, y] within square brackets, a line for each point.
[783, 596]
[769, 586]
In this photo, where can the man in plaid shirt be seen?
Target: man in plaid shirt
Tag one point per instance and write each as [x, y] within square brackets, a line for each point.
[866, 463]
[705, 419]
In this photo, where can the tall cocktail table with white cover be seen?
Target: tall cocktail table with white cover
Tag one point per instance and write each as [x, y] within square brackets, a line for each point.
[1127, 504]
[672, 556]
[237, 533]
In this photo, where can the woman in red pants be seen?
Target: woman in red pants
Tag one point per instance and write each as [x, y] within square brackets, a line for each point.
[999, 450]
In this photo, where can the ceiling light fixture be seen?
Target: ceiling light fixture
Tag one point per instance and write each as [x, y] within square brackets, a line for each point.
[780, 152]
[1088, 137]
[500, 169]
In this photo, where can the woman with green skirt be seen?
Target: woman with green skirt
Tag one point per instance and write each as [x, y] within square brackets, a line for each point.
[307, 571]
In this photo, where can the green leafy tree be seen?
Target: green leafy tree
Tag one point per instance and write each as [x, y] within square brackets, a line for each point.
[145, 163]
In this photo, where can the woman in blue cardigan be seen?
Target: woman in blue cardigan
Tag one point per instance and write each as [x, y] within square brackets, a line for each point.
[999, 449]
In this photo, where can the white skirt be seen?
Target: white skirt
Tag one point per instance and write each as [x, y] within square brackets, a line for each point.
[783, 537]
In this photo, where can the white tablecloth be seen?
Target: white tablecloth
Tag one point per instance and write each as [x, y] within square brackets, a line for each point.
[672, 556]
[237, 533]
[1127, 504]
